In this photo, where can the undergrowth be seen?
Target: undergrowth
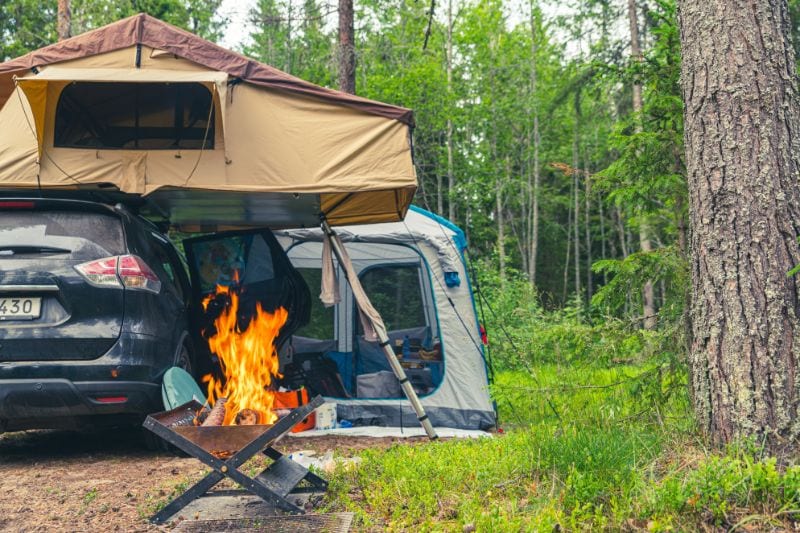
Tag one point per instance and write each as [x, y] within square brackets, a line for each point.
[606, 465]
[598, 435]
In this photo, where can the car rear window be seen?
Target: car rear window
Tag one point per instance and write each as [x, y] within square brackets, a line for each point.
[78, 235]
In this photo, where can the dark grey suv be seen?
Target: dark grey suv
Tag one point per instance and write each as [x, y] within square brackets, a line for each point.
[96, 304]
[94, 307]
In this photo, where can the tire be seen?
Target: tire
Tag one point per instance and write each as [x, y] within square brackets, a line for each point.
[185, 360]
[153, 442]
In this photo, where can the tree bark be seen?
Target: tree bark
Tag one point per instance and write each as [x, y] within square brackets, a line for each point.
[648, 297]
[501, 226]
[451, 206]
[742, 134]
[534, 214]
[64, 20]
[587, 229]
[347, 48]
[576, 191]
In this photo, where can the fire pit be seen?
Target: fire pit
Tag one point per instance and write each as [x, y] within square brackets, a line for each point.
[226, 448]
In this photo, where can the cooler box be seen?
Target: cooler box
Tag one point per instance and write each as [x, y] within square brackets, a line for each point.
[291, 400]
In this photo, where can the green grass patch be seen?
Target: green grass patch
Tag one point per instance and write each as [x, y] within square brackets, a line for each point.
[609, 461]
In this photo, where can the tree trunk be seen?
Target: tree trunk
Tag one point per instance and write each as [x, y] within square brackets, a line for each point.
[587, 230]
[451, 207]
[576, 191]
[742, 135]
[501, 231]
[648, 298]
[534, 214]
[64, 20]
[603, 254]
[619, 222]
[501, 226]
[347, 48]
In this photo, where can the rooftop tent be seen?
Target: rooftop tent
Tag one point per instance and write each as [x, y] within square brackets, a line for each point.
[415, 275]
[210, 138]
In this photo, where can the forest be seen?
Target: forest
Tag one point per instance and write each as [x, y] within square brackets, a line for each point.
[554, 134]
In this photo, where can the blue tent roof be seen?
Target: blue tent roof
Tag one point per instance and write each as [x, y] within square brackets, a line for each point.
[460, 238]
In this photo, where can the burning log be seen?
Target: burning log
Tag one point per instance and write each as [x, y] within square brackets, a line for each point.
[247, 417]
[217, 415]
[247, 357]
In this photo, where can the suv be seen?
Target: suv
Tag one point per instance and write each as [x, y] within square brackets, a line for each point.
[94, 307]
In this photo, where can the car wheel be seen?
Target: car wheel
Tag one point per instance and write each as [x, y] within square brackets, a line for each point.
[184, 360]
[153, 442]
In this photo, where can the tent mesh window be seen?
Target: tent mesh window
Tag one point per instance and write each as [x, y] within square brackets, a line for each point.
[138, 116]
[396, 293]
[320, 326]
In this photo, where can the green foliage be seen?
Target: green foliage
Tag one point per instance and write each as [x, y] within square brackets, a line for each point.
[25, 25]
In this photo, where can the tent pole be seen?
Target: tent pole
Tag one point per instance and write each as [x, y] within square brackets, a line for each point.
[383, 338]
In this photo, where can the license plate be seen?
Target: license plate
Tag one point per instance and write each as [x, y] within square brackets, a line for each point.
[20, 308]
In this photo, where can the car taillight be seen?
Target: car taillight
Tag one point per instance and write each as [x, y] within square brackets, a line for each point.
[128, 271]
[101, 273]
[135, 274]
[17, 204]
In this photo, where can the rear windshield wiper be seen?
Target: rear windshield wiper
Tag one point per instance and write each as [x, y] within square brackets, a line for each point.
[23, 249]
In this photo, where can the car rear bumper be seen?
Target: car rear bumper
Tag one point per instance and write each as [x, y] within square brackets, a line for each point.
[32, 403]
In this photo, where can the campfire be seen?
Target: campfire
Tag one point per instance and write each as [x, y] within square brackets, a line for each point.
[248, 363]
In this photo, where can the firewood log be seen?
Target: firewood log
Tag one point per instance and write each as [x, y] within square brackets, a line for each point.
[247, 417]
[217, 415]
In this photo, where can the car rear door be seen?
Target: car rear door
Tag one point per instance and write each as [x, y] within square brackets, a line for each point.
[255, 263]
[48, 310]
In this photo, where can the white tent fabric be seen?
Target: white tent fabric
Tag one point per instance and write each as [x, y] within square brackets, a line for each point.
[462, 398]
[378, 432]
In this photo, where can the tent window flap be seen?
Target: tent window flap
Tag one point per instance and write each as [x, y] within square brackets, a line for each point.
[139, 116]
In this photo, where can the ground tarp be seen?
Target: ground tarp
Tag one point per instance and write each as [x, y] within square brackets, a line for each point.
[276, 150]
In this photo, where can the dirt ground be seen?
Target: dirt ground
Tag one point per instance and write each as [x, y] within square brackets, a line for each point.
[105, 480]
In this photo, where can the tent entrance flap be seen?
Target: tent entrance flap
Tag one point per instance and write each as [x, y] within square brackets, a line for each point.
[371, 314]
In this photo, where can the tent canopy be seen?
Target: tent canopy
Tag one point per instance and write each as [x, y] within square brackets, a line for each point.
[210, 138]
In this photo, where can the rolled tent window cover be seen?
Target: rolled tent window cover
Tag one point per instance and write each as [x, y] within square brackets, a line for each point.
[279, 151]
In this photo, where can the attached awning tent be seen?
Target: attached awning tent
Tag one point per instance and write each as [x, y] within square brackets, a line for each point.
[211, 138]
[415, 274]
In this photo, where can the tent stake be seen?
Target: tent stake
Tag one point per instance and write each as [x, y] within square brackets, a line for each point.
[380, 329]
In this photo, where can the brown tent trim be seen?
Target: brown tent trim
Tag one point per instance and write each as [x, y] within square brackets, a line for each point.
[145, 30]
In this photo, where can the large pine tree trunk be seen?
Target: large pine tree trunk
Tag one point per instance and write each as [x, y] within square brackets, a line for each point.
[742, 146]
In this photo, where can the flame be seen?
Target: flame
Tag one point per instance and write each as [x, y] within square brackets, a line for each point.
[248, 359]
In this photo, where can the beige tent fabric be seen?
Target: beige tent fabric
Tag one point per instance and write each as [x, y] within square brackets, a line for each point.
[271, 136]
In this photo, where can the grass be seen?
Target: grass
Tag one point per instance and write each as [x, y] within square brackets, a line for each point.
[611, 460]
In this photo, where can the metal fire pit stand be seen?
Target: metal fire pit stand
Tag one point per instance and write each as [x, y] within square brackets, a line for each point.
[272, 485]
